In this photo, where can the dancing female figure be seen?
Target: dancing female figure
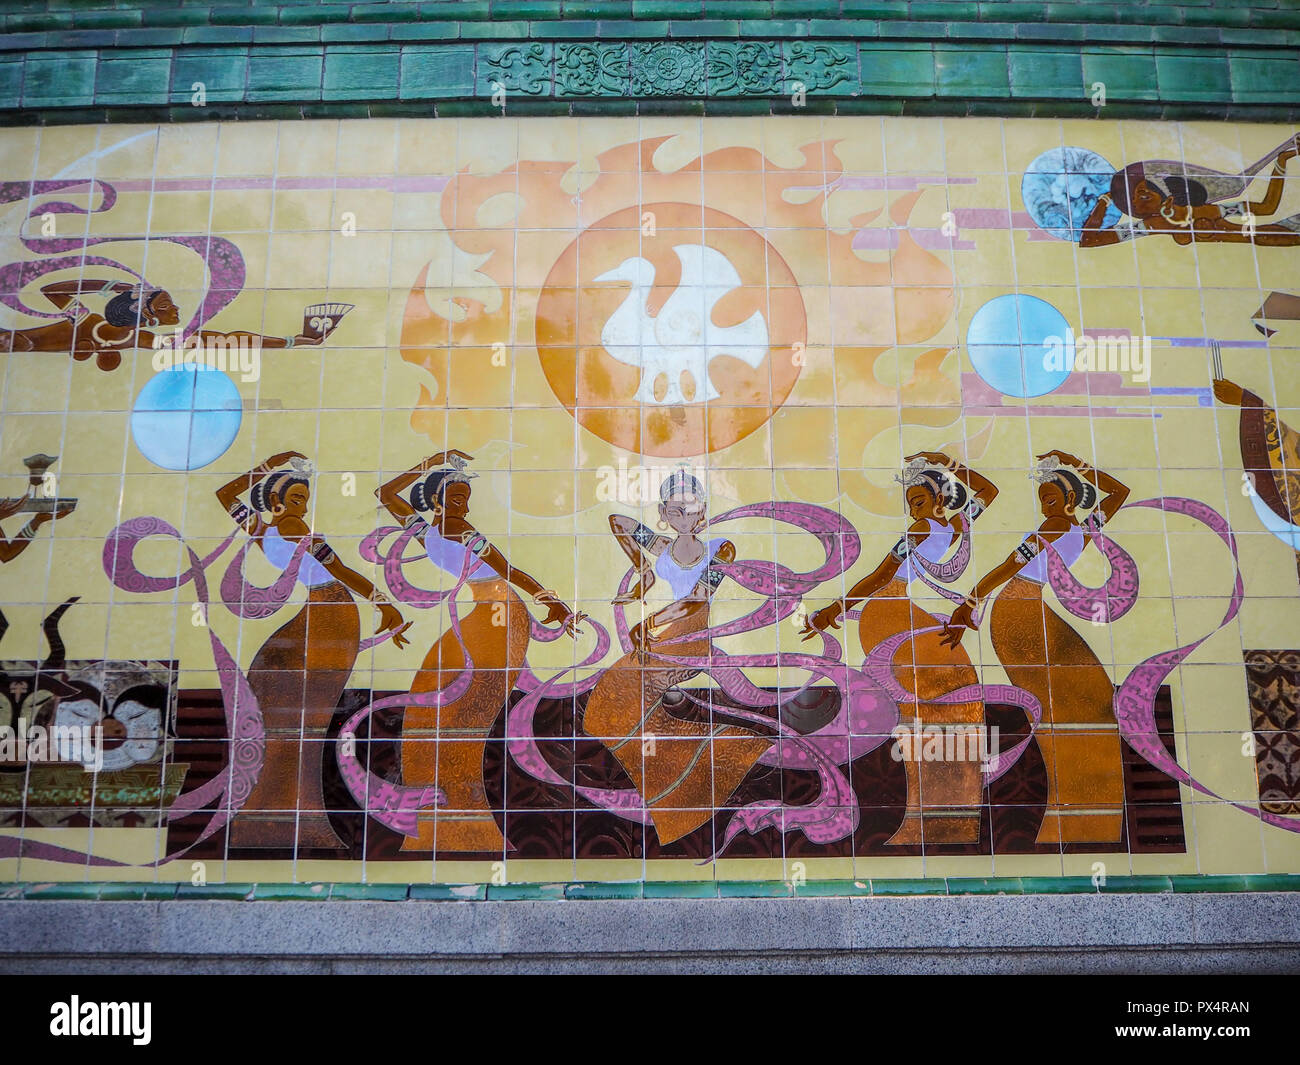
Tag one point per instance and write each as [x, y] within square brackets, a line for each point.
[444, 745]
[684, 769]
[943, 498]
[1078, 735]
[1195, 203]
[302, 669]
[129, 314]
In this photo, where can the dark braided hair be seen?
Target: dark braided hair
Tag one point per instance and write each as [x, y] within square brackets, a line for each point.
[1085, 492]
[944, 487]
[275, 484]
[1183, 190]
[427, 494]
[124, 308]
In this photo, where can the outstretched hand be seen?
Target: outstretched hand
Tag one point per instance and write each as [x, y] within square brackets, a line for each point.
[828, 617]
[390, 620]
[558, 613]
[962, 619]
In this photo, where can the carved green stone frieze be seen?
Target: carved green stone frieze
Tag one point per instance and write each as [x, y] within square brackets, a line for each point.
[591, 69]
[742, 68]
[667, 68]
[105, 60]
[524, 68]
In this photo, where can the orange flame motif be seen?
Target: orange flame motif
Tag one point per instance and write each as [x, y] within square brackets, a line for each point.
[673, 314]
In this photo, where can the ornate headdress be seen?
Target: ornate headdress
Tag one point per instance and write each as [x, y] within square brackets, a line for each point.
[1048, 469]
[938, 479]
[918, 471]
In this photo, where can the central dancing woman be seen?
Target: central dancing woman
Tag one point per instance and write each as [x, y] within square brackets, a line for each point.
[684, 769]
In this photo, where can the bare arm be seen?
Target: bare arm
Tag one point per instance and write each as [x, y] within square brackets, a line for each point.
[981, 487]
[1093, 236]
[828, 617]
[963, 617]
[11, 549]
[62, 293]
[557, 609]
[228, 494]
[1116, 492]
[1276, 182]
[873, 581]
[625, 531]
[270, 343]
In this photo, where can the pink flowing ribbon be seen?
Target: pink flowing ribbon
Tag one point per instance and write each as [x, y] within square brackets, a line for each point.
[1135, 700]
[1116, 596]
[397, 806]
[222, 261]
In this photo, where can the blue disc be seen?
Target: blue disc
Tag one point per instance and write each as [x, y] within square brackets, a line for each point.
[1021, 345]
[186, 417]
[1060, 189]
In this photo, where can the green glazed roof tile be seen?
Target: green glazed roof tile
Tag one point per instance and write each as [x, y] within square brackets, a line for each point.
[969, 72]
[1043, 73]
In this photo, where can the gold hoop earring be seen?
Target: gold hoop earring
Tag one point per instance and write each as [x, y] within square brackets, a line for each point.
[661, 525]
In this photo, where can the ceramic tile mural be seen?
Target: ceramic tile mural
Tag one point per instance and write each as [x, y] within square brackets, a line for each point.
[581, 499]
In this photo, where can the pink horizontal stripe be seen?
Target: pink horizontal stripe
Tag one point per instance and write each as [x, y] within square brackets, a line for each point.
[393, 183]
[931, 238]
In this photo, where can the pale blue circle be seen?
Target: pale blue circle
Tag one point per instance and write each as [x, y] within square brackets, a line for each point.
[186, 417]
[1008, 343]
[1060, 189]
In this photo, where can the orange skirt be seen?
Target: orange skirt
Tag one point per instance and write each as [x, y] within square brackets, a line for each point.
[445, 745]
[684, 770]
[1078, 736]
[943, 796]
[298, 676]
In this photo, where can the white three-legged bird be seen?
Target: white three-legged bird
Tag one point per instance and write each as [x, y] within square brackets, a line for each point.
[682, 336]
